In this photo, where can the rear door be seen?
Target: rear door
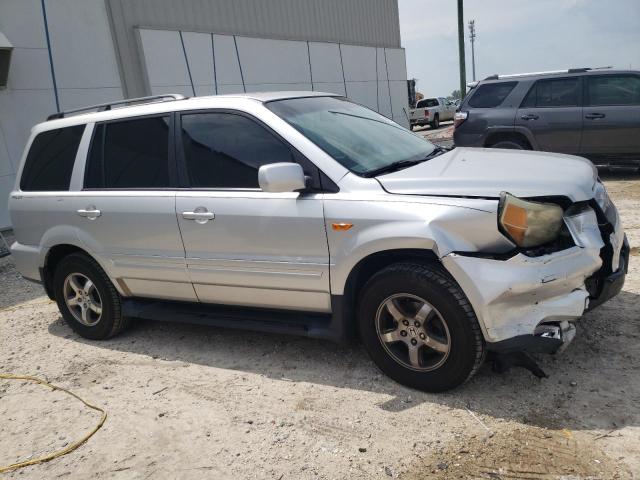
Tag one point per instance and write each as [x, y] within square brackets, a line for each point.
[612, 117]
[552, 112]
[125, 214]
[245, 246]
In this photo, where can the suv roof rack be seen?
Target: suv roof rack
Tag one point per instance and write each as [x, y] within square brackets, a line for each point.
[548, 72]
[101, 107]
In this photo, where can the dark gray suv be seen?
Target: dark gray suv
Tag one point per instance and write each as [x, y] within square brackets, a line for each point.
[594, 113]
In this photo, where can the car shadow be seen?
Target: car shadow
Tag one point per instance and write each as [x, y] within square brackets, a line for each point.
[15, 290]
[619, 174]
[589, 385]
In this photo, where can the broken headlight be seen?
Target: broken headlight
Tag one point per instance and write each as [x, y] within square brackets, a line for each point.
[529, 224]
[601, 196]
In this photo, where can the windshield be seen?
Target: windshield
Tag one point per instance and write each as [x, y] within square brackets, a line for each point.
[356, 137]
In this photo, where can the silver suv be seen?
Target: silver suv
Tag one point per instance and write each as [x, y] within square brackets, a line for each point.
[305, 213]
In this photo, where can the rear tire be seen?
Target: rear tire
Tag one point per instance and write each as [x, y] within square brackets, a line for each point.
[419, 328]
[86, 298]
[436, 122]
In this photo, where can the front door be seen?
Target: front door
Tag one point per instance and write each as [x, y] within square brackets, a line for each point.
[552, 112]
[245, 246]
[612, 117]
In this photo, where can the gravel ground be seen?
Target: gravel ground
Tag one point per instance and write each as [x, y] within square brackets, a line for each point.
[442, 136]
[194, 402]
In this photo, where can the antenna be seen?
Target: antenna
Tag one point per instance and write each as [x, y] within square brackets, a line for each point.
[472, 36]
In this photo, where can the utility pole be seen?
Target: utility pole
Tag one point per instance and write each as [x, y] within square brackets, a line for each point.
[472, 36]
[463, 72]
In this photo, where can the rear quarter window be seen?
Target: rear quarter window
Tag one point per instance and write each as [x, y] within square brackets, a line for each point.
[50, 160]
[614, 90]
[490, 95]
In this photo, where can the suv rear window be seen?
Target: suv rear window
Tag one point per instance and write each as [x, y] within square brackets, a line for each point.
[130, 154]
[491, 95]
[50, 160]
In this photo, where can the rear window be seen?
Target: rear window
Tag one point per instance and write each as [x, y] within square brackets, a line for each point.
[491, 95]
[130, 154]
[428, 102]
[50, 160]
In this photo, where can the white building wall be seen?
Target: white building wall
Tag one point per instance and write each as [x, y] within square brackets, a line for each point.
[84, 65]
[28, 97]
[83, 54]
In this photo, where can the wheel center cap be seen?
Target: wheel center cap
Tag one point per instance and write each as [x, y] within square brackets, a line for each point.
[412, 331]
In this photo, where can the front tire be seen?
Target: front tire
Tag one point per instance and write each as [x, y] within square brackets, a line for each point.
[419, 328]
[86, 298]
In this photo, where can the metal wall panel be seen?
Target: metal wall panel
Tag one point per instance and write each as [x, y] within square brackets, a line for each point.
[82, 53]
[6, 166]
[249, 64]
[383, 90]
[198, 47]
[355, 22]
[228, 74]
[326, 65]
[266, 61]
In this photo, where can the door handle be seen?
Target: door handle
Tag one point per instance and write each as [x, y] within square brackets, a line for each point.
[200, 215]
[90, 212]
[529, 116]
[592, 116]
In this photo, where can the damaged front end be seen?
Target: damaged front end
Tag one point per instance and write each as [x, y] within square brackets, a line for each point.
[529, 301]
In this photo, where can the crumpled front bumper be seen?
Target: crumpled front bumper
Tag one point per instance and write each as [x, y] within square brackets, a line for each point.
[527, 303]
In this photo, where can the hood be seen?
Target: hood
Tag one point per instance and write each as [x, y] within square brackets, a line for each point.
[486, 172]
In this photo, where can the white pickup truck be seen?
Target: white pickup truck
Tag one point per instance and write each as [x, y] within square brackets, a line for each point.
[432, 111]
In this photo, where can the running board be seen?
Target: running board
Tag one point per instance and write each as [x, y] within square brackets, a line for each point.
[307, 324]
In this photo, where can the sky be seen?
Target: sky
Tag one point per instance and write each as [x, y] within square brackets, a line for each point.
[515, 36]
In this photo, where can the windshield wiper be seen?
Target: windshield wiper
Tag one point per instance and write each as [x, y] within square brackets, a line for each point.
[401, 164]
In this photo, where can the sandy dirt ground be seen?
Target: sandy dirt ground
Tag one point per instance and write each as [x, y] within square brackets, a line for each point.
[194, 402]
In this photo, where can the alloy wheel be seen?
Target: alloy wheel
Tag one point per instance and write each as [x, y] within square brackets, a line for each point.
[413, 332]
[82, 299]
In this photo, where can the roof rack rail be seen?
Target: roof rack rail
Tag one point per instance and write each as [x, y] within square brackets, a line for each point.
[548, 72]
[101, 107]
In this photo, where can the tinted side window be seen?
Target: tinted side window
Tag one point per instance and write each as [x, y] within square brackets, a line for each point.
[50, 160]
[561, 92]
[491, 95]
[614, 90]
[224, 150]
[130, 154]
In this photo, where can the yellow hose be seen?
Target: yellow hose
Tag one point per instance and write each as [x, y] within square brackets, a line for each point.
[65, 450]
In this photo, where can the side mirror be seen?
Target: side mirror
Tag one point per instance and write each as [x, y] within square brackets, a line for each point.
[281, 177]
